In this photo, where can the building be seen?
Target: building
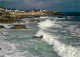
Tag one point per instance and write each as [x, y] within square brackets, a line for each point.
[32, 12]
[17, 10]
[1, 9]
[7, 10]
[42, 10]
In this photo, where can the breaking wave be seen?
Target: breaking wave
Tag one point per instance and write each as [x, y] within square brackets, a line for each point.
[62, 49]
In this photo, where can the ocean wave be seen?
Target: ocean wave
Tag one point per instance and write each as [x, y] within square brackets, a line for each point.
[9, 49]
[62, 49]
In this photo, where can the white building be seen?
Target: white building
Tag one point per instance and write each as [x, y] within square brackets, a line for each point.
[1, 9]
[17, 10]
[43, 10]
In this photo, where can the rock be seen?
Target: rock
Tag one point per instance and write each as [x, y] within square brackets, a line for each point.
[60, 17]
[1, 33]
[0, 48]
[35, 20]
[40, 37]
[37, 16]
[1, 27]
[19, 27]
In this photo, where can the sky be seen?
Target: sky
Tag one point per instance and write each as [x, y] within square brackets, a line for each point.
[52, 5]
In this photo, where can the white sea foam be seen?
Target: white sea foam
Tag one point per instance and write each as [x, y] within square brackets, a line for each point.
[62, 49]
[49, 17]
[74, 30]
[44, 17]
[7, 26]
[46, 24]
[9, 49]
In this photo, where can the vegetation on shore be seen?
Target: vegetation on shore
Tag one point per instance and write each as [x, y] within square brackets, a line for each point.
[14, 27]
[6, 15]
[6, 21]
[14, 16]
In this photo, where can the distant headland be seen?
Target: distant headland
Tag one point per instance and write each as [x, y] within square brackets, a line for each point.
[28, 11]
[14, 16]
[36, 12]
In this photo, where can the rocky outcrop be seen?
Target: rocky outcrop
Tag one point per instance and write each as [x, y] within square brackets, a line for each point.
[19, 27]
[1, 27]
[40, 37]
[34, 20]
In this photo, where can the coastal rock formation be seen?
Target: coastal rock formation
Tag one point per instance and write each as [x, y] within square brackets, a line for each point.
[19, 27]
[40, 37]
[1, 27]
[34, 20]
[0, 48]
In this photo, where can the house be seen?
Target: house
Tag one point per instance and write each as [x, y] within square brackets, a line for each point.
[7, 10]
[32, 12]
[42, 10]
[1, 9]
[17, 10]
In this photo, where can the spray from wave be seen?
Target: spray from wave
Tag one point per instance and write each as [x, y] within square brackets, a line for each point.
[62, 49]
[9, 49]
[48, 24]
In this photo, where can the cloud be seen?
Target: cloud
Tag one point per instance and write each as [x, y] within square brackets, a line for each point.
[41, 3]
[61, 5]
[9, 0]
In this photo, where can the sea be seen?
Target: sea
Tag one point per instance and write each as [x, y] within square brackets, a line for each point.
[61, 38]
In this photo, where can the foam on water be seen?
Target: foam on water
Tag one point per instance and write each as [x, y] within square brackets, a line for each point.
[44, 17]
[9, 49]
[62, 49]
[7, 26]
[46, 24]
